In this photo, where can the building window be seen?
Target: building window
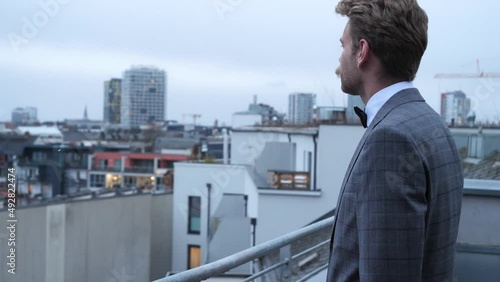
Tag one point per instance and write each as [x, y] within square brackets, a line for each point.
[114, 181]
[97, 180]
[39, 156]
[118, 164]
[194, 215]
[194, 256]
[103, 164]
[129, 181]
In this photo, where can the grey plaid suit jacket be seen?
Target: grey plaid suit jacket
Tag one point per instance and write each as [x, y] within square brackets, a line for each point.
[399, 207]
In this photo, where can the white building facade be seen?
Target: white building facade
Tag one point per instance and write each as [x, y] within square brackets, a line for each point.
[245, 119]
[278, 180]
[143, 96]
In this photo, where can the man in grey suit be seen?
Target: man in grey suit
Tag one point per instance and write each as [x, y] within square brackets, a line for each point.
[399, 207]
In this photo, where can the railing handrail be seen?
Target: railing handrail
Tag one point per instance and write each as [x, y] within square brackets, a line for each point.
[223, 265]
[140, 169]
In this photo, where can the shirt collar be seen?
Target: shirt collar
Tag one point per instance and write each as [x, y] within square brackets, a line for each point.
[378, 99]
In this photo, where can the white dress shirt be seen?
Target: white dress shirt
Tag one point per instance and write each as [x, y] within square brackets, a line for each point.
[380, 98]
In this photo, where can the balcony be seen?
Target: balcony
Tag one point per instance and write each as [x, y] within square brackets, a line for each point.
[105, 168]
[302, 255]
[25, 162]
[291, 180]
[291, 259]
[149, 170]
[206, 161]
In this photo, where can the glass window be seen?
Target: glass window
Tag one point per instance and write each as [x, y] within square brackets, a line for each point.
[129, 181]
[97, 180]
[194, 256]
[194, 215]
[103, 163]
[118, 164]
[39, 156]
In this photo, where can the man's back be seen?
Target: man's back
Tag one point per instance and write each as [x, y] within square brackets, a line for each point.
[400, 208]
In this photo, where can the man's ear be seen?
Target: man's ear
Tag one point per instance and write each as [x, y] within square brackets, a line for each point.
[363, 52]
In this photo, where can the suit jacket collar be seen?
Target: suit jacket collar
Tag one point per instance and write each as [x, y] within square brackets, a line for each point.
[378, 99]
[402, 97]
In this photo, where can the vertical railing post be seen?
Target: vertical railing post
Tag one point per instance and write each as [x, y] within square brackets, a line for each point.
[286, 255]
[209, 188]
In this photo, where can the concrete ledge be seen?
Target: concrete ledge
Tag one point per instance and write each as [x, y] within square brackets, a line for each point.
[285, 192]
[482, 187]
[481, 192]
[478, 249]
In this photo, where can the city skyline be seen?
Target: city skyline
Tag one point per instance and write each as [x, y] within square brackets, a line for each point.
[255, 48]
[112, 92]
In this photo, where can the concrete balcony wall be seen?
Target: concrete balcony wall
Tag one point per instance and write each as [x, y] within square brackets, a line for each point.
[230, 230]
[113, 238]
[108, 239]
[335, 149]
[233, 235]
[478, 242]
[161, 235]
[31, 247]
[481, 216]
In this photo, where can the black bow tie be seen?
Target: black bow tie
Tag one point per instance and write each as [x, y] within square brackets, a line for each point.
[362, 116]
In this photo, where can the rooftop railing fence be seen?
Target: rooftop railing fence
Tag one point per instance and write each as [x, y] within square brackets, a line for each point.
[286, 267]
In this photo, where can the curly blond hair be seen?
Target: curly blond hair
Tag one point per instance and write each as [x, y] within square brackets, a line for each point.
[396, 31]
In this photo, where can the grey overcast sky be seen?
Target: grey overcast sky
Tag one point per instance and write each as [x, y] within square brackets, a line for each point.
[219, 53]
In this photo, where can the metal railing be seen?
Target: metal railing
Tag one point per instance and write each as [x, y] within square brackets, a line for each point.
[138, 169]
[105, 168]
[282, 244]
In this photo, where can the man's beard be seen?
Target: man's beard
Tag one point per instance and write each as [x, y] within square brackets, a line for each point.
[344, 84]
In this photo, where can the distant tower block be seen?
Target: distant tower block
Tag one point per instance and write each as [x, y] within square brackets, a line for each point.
[143, 96]
[301, 108]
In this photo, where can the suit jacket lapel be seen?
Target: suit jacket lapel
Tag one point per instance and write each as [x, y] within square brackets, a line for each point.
[402, 97]
[346, 177]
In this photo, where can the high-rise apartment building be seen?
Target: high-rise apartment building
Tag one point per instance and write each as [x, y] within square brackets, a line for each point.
[26, 115]
[301, 108]
[143, 96]
[112, 101]
[455, 107]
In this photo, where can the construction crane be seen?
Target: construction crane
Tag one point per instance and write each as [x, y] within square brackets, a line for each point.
[479, 74]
